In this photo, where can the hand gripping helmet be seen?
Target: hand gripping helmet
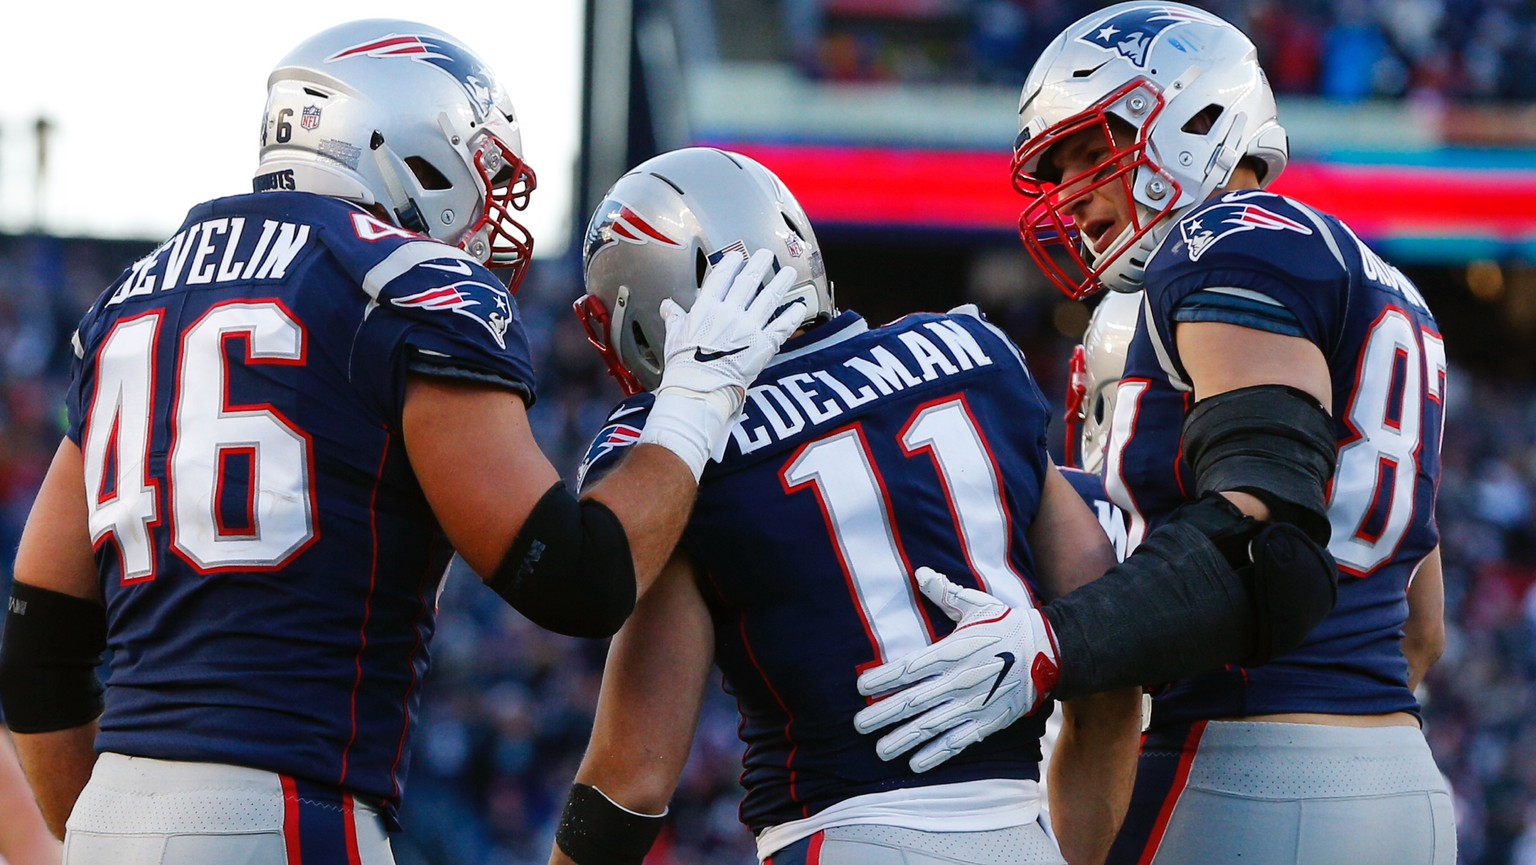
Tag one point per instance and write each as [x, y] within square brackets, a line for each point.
[402, 116]
[1193, 102]
[1097, 366]
[659, 230]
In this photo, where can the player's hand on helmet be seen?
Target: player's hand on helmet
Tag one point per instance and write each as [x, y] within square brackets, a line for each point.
[714, 350]
[995, 667]
[735, 326]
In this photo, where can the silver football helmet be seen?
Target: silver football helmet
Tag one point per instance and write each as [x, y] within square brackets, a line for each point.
[1188, 88]
[402, 116]
[659, 230]
[1097, 367]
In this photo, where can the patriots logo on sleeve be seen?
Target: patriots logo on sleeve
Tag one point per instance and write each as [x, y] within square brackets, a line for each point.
[476, 80]
[1132, 33]
[615, 436]
[485, 302]
[1202, 231]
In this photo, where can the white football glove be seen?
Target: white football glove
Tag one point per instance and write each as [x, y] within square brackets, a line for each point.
[715, 349]
[998, 665]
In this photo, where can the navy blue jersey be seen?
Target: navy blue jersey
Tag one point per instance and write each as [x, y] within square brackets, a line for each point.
[1263, 261]
[268, 560]
[862, 454]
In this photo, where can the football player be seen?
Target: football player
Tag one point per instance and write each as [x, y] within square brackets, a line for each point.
[1096, 367]
[282, 424]
[862, 452]
[1281, 372]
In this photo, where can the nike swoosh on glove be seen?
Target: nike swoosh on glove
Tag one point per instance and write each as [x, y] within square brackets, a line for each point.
[715, 348]
[734, 327]
[998, 665]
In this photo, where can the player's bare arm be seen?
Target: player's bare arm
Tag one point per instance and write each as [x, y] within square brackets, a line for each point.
[577, 566]
[1094, 764]
[1424, 631]
[52, 697]
[24, 838]
[653, 686]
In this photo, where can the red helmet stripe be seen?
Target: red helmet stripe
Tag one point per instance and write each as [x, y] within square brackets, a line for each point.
[634, 219]
[394, 45]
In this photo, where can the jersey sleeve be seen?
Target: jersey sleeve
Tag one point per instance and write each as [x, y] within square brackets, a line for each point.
[620, 431]
[1253, 260]
[436, 311]
[75, 394]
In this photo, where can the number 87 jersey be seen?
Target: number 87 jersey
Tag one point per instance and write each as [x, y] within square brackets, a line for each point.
[1262, 261]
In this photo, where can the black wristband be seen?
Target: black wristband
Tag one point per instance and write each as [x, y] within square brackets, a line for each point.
[595, 831]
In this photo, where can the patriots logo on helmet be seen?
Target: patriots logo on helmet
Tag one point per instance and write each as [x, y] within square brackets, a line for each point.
[615, 221]
[471, 74]
[1133, 32]
[1202, 231]
[486, 303]
[613, 437]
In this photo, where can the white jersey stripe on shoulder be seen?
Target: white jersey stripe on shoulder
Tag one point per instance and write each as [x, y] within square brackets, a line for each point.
[1322, 229]
[407, 256]
[1160, 348]
[1245, 294]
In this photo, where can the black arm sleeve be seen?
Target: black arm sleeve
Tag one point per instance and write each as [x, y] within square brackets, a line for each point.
[1273, 442]
[569, 570]
[53, 645]
[1178, 606]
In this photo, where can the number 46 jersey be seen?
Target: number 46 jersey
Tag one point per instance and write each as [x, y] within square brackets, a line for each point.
[1263, 261]
[268, 561]
[861, 455]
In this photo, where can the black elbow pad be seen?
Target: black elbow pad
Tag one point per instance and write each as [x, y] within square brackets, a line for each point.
[1273, 442]
[1294, 585]
[569, 570]
[52, 648]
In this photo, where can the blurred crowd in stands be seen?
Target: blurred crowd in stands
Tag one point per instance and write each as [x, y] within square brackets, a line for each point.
[508, 707]
[1463, 50]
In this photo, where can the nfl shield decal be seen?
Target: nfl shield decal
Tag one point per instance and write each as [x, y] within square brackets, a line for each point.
[311, 118]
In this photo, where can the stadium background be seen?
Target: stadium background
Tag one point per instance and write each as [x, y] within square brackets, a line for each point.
[1414, 120]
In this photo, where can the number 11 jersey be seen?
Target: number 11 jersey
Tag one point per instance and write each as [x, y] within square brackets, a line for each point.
[1266, 262]
[861, 454]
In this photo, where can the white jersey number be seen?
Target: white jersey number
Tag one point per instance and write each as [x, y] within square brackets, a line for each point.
[1374, 488]
[857, 507]
[207, 434]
